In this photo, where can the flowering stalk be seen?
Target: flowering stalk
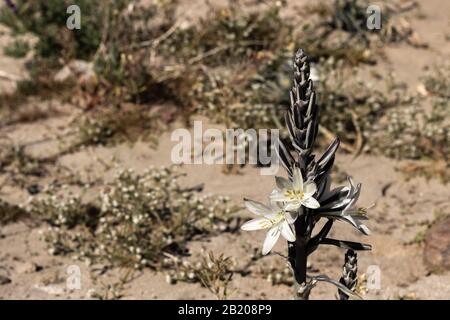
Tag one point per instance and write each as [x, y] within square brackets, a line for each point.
[349, 276]
[307, 197]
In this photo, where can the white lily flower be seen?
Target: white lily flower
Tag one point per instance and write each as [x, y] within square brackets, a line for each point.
[296, 193]
[273, 218]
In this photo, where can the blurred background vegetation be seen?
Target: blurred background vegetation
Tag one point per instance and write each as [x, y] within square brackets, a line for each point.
[231, 64]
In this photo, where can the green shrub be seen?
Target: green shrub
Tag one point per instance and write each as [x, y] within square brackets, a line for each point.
[17, 49]
[47, 20]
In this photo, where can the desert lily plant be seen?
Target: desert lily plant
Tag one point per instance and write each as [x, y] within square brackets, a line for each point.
[300, 202]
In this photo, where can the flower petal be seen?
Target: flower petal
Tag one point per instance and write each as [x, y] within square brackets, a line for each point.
[334, 198]
[298, 179]
[364, 229]
[287, 232]
[283, 183]
[311, 203]
[271, 238]
[256, 224]
[309, 189]
[277, 196]
[272, 216]
[358, 224]
[276, 206]
[292, 206]
[256, 207]
[291, 216]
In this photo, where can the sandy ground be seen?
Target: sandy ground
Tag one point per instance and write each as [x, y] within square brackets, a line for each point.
[402, 207]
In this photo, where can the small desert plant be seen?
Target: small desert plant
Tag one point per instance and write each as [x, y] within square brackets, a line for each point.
[17, 49]
[300, 202]
[47, 20]
[10, 212]
[109, 126]
[56, 45]
[341, 30]
[214, 273]
[277, 273]
[418, 131]
[350, 106]
[437, 80]
[137, 219]
[413, 133]
[15, 160]
[112, 290]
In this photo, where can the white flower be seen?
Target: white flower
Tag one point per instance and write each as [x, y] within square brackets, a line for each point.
[295, 194]
[273, 218]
